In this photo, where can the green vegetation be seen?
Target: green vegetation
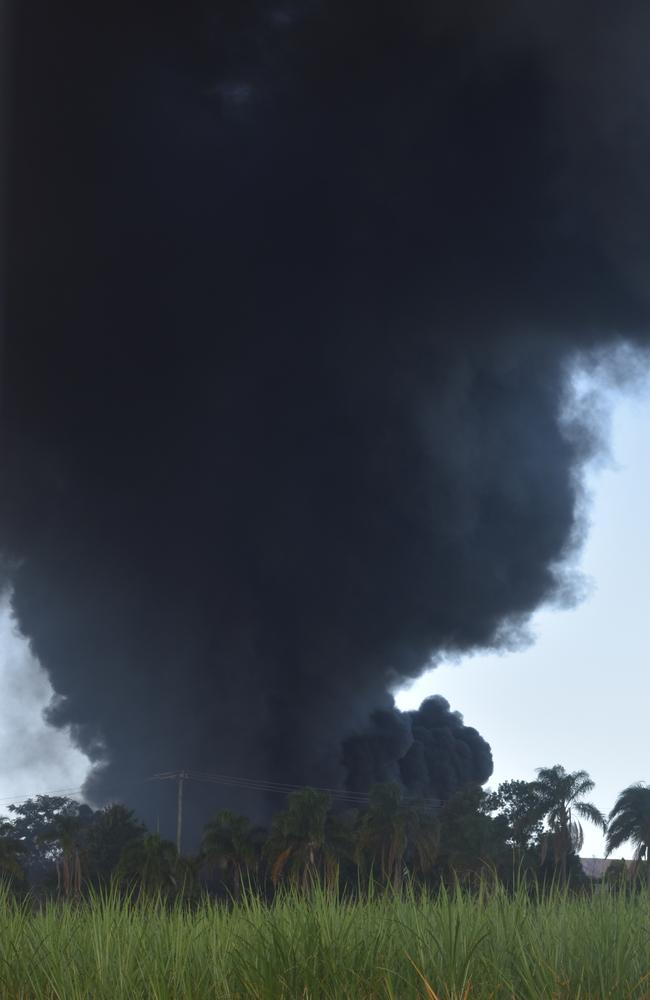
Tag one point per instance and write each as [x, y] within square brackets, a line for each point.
[561, 798]
[484, 898]
[629, 822]
[55, 847]
[456, 945]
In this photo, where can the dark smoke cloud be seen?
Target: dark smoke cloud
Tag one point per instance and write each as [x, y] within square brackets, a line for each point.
[430, 751]
[294, 295]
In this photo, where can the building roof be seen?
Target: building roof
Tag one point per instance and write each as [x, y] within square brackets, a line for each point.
[596, 867]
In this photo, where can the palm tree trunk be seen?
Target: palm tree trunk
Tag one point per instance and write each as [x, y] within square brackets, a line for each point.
[313, 872]
[397, 874]
[236, 883]
[77, 873]
[66, 875]
[331, 875]
[564, 844]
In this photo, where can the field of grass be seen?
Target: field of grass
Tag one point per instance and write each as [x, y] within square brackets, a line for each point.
[448, 946]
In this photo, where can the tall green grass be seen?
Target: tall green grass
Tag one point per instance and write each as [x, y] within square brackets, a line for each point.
[452, 945]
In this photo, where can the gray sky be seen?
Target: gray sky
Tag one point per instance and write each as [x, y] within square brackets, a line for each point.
[34, 758]
[579, 696]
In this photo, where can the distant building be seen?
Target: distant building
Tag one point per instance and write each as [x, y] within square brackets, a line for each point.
[596, 867]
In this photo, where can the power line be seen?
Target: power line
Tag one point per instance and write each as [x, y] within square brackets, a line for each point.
[58, 791]
[285, 788]
[31, 795]
[261, 785]
[250, 784]
[230, 781]
[280, 787]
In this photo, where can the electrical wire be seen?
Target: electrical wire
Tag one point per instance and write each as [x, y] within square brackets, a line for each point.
[229, 781]
[275, 787]
[14, 799]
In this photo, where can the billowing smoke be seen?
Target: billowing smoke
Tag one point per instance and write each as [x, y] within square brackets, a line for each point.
[295, 291]
[429, 751]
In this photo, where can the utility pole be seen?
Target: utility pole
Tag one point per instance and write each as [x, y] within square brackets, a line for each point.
[179, 810]
[180, 777]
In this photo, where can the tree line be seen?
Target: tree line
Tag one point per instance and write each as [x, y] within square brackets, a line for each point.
[53, 844]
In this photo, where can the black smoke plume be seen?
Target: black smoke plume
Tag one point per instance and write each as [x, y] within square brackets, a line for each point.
[429, 751]
[294, 295]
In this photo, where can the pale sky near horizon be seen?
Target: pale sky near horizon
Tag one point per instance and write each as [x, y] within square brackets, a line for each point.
[34, 758]
[579, 695]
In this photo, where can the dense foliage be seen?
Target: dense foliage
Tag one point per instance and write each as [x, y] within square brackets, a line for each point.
[56, 846]
[450, 944]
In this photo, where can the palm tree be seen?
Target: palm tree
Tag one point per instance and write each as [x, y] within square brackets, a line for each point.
[340, 844]
[113, 828]
[67, 832]
[394, 826]
[303, 838]
[630, 820]
[11, 848]
[560, 795]
[230, 843]
[151, 863]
